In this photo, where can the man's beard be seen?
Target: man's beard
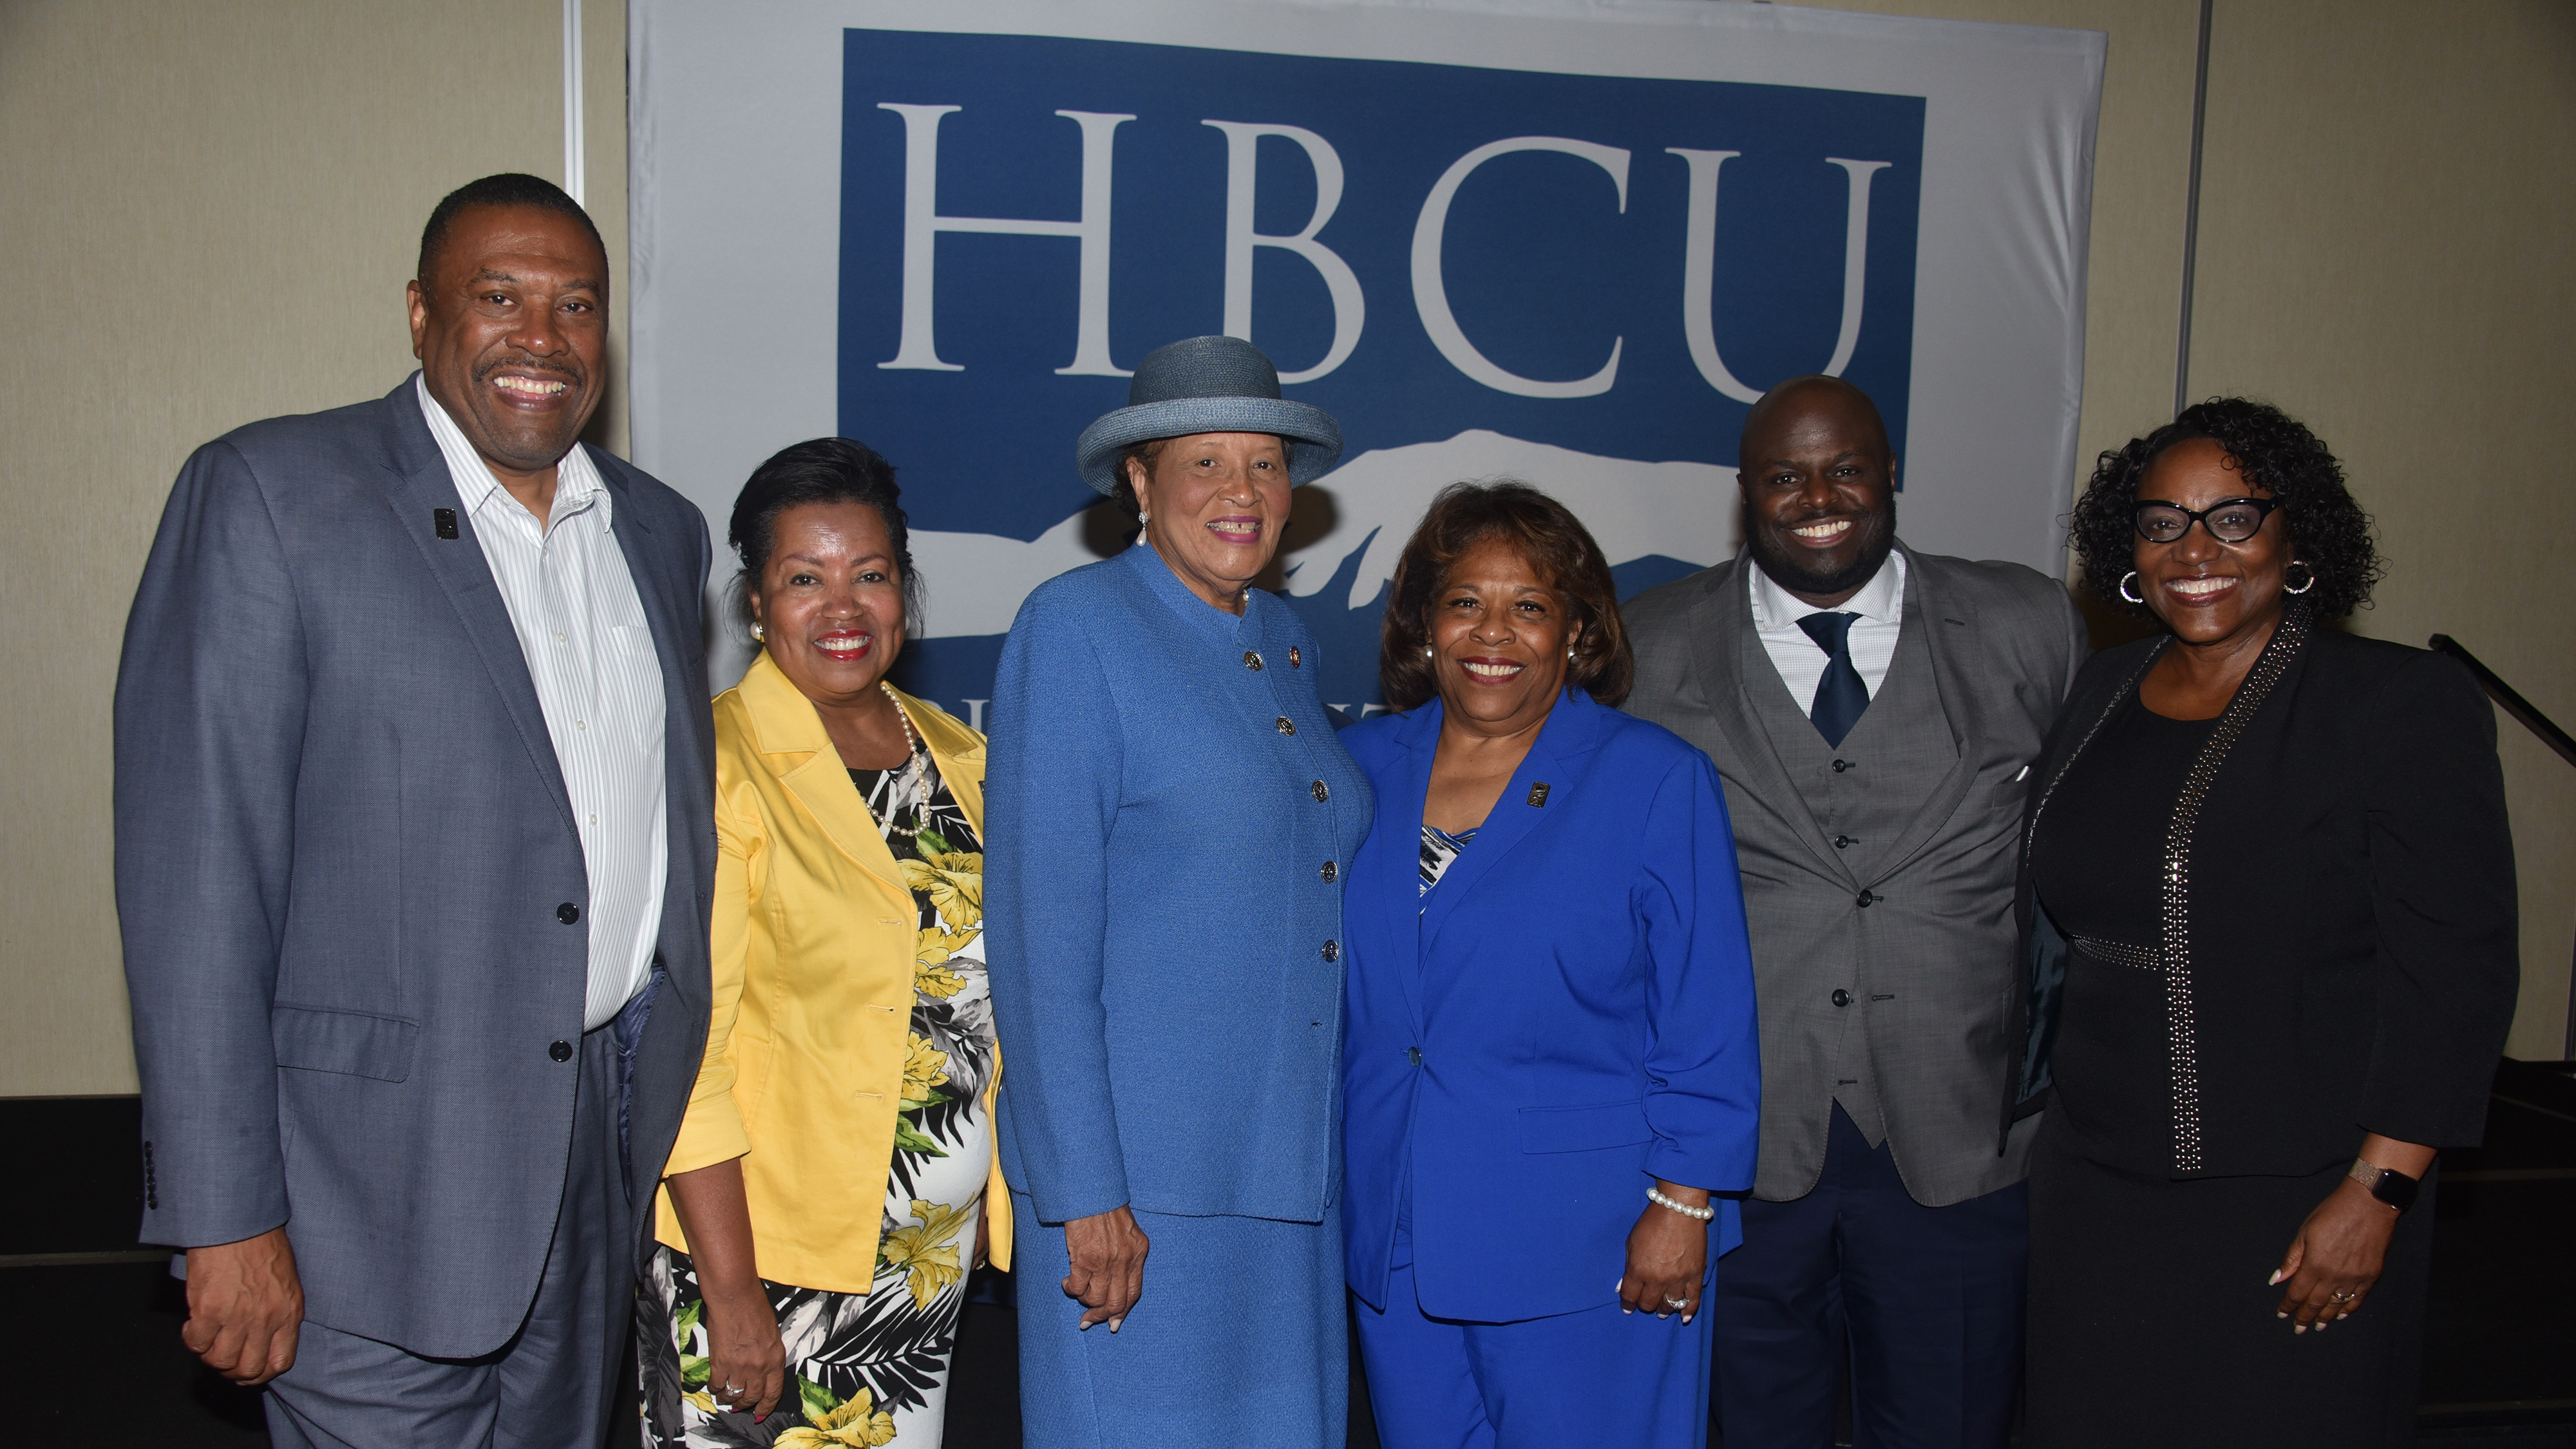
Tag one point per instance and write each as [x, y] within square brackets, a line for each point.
[1790, 570]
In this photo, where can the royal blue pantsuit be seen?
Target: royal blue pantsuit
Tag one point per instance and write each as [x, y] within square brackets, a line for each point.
[1566, 1017]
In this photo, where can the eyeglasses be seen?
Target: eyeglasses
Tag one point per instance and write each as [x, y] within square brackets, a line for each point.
[2233, 521]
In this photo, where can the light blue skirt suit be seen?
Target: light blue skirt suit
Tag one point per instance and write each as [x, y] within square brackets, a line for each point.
[1565, 1017]
[1172, 828]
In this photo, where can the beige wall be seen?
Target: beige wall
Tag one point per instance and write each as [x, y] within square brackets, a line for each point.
[212, 208]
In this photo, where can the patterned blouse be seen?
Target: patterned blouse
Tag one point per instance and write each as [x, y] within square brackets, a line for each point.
[1439, 848]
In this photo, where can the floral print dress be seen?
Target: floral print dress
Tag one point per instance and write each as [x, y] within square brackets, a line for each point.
[873, 1369]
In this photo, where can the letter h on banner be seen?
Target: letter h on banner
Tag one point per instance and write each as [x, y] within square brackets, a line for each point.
[919, 347]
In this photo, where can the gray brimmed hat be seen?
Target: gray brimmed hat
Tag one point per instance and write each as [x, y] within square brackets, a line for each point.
[1208, 385]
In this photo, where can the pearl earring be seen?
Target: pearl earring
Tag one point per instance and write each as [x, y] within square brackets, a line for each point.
[1426, 651]
[757, 633]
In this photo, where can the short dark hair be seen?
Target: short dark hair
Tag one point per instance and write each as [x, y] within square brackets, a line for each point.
[1123, 490]
[1556, 546]
[509, 189]
[2272, 450]
[819, 470]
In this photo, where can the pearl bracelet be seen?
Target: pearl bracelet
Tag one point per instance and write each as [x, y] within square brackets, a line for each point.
[1656, 1196]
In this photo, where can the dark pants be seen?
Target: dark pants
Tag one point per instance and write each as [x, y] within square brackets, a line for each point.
[1925, 1304]
[554, 1383]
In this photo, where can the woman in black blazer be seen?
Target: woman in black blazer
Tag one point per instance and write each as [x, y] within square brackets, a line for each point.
[2268, 900]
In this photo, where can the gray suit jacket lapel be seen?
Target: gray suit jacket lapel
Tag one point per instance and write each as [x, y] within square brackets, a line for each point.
[1729, 655]
[1949, 626]
[418, 482]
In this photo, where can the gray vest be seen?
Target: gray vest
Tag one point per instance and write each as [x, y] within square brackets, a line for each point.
[1862, 794]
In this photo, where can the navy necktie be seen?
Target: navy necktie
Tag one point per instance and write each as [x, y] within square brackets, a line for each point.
[1840, 696]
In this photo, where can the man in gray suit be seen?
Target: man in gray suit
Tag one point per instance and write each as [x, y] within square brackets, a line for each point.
[1873, 712]
[414, 856]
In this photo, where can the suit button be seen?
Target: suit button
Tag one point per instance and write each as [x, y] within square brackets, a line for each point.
[1332, 950]
[567, 913]
[1841, 997]
[561, 1051]
[1332, 872]
[1842, 842]
[1252, 661]
[1321, 794]
[1287, 726]
[1842, 765]
[1413, 1055]
[1864, 898]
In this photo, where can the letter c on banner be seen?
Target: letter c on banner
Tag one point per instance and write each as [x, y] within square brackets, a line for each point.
[1699, 267]
[1350, 307]
[1431, 297]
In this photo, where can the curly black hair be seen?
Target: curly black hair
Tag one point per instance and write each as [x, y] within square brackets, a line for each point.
[2276, 453]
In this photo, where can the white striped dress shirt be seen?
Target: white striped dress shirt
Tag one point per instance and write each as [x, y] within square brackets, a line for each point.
[1801, 660]
[590, 655]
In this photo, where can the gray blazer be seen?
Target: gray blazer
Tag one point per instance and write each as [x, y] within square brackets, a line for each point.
[1937, 941]
[342, 840]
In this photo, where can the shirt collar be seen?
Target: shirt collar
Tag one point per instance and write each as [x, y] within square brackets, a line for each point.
[578, 485]
[1881, 600]
[1210, 620]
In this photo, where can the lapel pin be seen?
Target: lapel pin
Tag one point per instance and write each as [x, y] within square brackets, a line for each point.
[444, 520]
[1295, 658]
[1538, 794]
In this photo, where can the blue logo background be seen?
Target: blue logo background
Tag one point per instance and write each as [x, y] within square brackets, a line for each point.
[1542, 268]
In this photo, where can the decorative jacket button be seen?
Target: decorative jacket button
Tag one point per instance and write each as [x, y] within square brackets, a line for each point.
[561, 1051]
[1322, 794]
[567, 913]
[1864, 898]
[1332, 872]
[1332, 950]
[1287, 726]
[1413, 1055]
[1841, 997]
[1252, 661]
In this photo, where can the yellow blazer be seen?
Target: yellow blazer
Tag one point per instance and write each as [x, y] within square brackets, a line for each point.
[815, 935]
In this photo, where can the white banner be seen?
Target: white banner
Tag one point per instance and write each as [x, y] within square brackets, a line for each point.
[1568, 242]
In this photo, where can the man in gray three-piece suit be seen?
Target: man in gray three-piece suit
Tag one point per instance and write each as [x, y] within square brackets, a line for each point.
[414, 854]
[1873, 712]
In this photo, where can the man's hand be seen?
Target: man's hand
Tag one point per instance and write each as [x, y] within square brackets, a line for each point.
[244, 1304]
[1108, 1256]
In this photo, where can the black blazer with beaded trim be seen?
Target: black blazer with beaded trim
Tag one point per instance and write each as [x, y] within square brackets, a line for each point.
[2338, 935]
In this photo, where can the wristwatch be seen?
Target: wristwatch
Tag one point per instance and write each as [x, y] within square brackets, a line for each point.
[2393, 1188]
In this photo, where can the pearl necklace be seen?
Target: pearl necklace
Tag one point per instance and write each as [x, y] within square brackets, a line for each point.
[913, 748]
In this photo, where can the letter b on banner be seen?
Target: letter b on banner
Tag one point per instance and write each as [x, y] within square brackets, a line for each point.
[1350, 307]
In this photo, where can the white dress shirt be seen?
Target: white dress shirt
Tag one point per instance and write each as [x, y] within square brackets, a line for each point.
[590, 654]
[1801, 660]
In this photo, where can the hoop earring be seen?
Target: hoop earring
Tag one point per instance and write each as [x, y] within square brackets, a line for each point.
[757, 633]
[2124, 587]
[2305, 566]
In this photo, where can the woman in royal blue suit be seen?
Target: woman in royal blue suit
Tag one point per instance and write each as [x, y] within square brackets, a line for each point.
[1550, 1071]
[1173, 822]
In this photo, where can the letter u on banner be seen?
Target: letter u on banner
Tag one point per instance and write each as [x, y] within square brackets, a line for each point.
[1350, 306]
[1699, 267]
[1431, 295]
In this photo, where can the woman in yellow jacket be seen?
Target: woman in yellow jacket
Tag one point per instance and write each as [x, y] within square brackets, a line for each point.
[825, 1200]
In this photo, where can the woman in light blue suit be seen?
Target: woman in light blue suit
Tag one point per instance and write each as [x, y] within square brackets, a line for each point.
[1550, 1073]
[1172, 826]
